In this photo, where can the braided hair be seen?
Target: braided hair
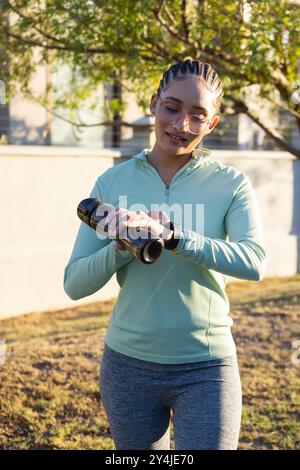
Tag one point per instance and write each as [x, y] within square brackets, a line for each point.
[203, 70]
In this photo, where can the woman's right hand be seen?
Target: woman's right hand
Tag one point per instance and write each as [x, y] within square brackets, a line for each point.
[114, 225]
[119, 220]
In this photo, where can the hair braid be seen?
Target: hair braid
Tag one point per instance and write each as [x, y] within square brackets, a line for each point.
[195, 67]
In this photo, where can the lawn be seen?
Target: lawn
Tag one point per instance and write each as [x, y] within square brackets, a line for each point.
[49, 396]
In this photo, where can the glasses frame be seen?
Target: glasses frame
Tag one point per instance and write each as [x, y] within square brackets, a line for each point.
[162, 100]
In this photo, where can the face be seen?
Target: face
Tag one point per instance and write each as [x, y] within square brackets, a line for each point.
[192, 93]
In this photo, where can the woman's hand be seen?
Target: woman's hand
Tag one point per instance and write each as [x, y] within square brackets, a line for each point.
[119, 220]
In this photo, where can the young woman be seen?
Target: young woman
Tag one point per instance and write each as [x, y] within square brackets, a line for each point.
[168, 347]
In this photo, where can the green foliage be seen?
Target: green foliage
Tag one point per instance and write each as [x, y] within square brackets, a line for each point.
[249, 43]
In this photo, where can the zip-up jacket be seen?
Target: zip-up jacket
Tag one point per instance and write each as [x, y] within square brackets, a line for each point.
[174, 310]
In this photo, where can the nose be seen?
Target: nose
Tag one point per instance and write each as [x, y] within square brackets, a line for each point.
[182, 123]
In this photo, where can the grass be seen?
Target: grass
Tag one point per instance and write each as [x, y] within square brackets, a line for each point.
[49, 395]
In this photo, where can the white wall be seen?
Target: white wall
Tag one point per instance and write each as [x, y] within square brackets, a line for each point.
[42, 186]
[276, 179]
[40, 190]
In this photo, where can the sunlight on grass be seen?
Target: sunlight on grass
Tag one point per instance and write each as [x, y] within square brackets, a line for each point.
[49, 395]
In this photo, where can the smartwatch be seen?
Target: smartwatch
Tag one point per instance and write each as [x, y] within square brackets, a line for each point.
[172, 242]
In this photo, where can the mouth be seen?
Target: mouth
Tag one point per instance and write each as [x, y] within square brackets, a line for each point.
[175, 138]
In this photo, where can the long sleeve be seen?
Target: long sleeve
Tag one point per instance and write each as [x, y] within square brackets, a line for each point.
[93, 260]
[243, 255]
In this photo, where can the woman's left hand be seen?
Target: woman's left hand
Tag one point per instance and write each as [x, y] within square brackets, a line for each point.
[153, 221]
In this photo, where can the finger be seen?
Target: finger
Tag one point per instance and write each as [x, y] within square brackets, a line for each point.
[122, 225]
[119, 247]
[136, 223]
[164, 218]
[153, 214]
[109, 222]
[160, 216]
[115, 223]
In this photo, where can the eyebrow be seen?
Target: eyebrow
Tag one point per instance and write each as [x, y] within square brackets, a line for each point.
[179, 101]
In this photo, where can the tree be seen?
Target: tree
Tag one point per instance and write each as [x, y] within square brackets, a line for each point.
[254, 45]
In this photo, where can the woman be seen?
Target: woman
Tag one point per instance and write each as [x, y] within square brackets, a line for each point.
[168, 345]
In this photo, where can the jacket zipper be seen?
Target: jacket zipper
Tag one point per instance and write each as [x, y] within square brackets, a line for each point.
[167, 190]
[167, 187]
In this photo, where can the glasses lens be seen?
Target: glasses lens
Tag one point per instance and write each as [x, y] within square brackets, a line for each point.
[195, 123]
[172, 113]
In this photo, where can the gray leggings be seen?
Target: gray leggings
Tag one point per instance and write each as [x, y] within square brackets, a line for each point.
[137, 396]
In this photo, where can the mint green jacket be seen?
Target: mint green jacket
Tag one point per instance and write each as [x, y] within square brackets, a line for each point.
[175, 310]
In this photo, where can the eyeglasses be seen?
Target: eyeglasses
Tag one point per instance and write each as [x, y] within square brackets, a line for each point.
[171, 112]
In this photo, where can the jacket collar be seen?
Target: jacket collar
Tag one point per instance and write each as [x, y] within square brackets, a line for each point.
[199, 155]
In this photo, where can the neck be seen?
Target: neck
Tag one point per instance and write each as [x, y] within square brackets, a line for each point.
[166, 161]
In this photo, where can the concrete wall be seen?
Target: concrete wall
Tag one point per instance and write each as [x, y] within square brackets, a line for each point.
[42, 186]
[40, 190]
[276, 179]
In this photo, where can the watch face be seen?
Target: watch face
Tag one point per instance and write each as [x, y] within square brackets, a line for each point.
[177, 231]
[176, 236]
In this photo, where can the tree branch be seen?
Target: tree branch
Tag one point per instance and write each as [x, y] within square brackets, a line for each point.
[279, 139]
[165, 25]
[163, 52]
[282, 106]
[82, 124]
[281, 83]
[170, 16]
[42, 33]
[88, 50]
[33, 42]
[184, 19]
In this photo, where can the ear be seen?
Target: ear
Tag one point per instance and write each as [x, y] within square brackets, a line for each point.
[153, 104]
[213, 124]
